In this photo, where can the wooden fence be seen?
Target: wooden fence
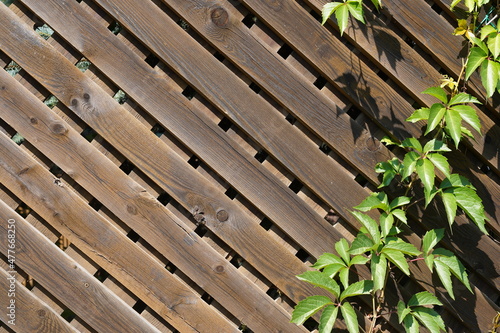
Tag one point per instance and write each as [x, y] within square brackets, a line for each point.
[171, 165]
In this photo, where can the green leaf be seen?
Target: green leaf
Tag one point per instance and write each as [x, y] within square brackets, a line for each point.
[457, 269]
[429, 260]
[463, 98]
[403, 311]
[435, 145]
[388, 141]
[489, 76]
[429, 318]
[358, 288]
[440, 162]
[476, 58]
[327, 259]
[409, 163]
[333, 269]
[411, 324]
[369, 224]
[359, 260]
[350, 318]
[494, 44]
[322, 280]
[455, 180]
[469, 115]
[412, 143]
[342, 248]
[444, 274]
[436, 114]
[419, 114]
[361, 244]
[329, 9]
[487, 30]
[308, 307]
[399, 201]
[328, 318]
[453, 125]
[450, 205]
[373, 201]
[437, 92]
[356, 10]
[344, 276]
[377, 3]
[400, 215]
[342, 15]
[403, 247]
[398, 259]
[466, 132]
[378, 267]
[386, 223]
[430, 195]
[472, 205]
[454, 3]
[423, 298]
[425, 170]
[431, 238]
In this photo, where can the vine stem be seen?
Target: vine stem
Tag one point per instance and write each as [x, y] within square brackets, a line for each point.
[374, 313]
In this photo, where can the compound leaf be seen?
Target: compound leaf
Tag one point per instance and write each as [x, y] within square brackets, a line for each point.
[308, 307]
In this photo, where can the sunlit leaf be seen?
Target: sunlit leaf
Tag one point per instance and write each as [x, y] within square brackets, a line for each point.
[469, 115]
[411, 324]
[322, 280]
[429, 318]
[361, 244]
[308, 307]
[456, 267]
[329, 9]
[342, 248]
[423, 298]
[409, 164]
[440, 162]
[369, 224]
[359, 260]
[356, 10]
[463, 98]
[412, 143]
[373, 201]
[403, 247]
[494, 44]
[425, 170]
[472, 205]
[489, 76]
[476, 58]
[358, 288]
[453, 125]
[444, 274]
[419, 114]
[378, 266]
[455, 180]
[450, 205]
[350, 318]
[435, 145]
[344, 276]
[386, 223]
[398, 259]
[327, 259]
[328, 318]
[431, 238]
[333, 269]
[342, 15]
[437, 92]
[400, 215]
[436, 113]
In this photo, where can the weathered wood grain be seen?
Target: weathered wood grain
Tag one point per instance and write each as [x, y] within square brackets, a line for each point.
[173, 239]
[178, 116]
[66, 279]
[32, 314]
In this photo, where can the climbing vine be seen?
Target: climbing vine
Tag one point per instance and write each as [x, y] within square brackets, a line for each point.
[379, 244]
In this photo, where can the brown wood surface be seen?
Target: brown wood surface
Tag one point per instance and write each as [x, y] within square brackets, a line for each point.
[157, 225]
[235, 261]
[32, 314]
[67, 280]
[272, 260]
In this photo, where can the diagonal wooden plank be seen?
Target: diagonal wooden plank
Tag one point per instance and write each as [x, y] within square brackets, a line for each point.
[67, 280]
[174, 112]
[375, 39]
[485, 245]
[32, 314]
[274, 261]
[156, 224]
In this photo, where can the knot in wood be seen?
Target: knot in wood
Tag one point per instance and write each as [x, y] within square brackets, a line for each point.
[219, 269]
[222, 216]
[41, 313]
[33, 120]
[372, 144]
[58, 128]
[219, 17]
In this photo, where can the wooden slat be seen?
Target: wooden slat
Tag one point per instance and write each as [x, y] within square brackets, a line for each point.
[32, 314]
[177, 115]
[95, 236]
[128, 201]
[329, 47]
[67, 280]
